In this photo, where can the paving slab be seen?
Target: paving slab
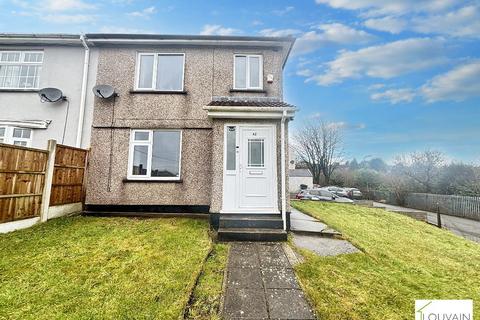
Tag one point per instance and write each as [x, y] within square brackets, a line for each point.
[279, 278]
[305, 224]
[288, 304]
[261, 284]
[247, 249]
[242, 260]
[298, 215]
[268, 259]
[324, 246]
[245, 304]
[246, 277]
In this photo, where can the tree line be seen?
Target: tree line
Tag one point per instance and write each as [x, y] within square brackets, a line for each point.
[319, 148]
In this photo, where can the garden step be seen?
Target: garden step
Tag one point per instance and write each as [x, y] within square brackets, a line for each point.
[251, 221]
[251, 234]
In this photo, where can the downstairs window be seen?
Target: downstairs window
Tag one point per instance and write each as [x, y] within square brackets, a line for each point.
[155, 154]
[16, 136]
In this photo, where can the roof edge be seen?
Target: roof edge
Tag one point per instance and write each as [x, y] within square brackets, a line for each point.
[39, 39]
[151, 36]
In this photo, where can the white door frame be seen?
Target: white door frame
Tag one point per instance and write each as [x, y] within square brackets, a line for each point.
[232, 178]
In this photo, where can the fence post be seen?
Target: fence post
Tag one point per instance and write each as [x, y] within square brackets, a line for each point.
[47, 187]
[439, 217]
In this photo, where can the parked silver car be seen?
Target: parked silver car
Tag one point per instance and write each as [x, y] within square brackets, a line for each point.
[354, 193]
[316, 195]
[321, 195]
[336, 190]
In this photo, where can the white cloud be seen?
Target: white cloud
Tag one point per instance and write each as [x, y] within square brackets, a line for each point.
[216, 29]
[389, 23]
[279, 32]
[346, 125]
[69, 18]
[376, 86]
[64, 5]
[304, 73]
[315, 115]
[457, 84]
[144, 13]
[54, 5]
[333, 33]
[464, 22]
[283, 11]
[383, 61]
[340, 33]
[388, 7]
[395, 96]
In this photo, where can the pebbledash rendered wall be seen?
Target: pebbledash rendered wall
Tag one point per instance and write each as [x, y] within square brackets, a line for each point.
[62, 68]
[208, 73]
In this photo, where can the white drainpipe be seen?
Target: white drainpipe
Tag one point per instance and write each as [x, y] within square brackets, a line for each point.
[83, 97]
[282, 168]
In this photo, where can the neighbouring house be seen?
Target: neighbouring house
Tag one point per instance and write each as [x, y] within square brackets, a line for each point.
[297, 177]
[30, 62]
[199, 126]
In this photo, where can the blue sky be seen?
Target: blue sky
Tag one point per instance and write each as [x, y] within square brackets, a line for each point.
[397, 76]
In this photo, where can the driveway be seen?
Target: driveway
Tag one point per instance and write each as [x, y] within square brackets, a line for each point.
[467, 228]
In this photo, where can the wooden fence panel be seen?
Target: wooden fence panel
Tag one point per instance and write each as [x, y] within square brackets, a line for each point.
[22, 178]
[460, 206]
[68, 175]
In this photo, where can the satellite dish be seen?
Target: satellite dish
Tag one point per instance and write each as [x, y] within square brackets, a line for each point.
[104, 91]
[51, 95]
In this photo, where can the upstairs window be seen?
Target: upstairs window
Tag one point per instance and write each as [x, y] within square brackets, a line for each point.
[155, 154]
[160, 71]
[17, 136]
[248, 72]
[20, 69]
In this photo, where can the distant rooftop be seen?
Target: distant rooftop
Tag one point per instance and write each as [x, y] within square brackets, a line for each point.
[299, 173]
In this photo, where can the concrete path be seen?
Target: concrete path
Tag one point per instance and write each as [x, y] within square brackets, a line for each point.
[262, 285]
[305, 224]
[309, 233]
[324, 246]
[467, 228]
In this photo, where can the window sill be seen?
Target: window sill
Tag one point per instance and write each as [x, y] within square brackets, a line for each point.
[18, 90]
[126, 180]
[156, 92]
[249, 90]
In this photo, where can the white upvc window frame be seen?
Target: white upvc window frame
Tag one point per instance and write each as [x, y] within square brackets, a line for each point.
[260, 70]
[155, 70]
[8, 137]
[149, 144]
[22, 62]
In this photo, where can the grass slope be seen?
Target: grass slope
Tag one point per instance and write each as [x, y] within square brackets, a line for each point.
[208, 292]
[403, 260]
[108, 268]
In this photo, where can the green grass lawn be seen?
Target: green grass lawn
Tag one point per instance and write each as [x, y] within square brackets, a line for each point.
[402, 260]
[207, 295]
[101, 268]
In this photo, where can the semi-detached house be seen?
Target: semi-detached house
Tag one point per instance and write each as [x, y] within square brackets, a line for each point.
[198, 125]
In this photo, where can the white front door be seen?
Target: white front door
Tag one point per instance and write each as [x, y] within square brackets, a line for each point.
[250, 179]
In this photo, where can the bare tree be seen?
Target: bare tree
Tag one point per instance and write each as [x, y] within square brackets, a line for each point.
[319, 146]
[422, 167]
[397, 183]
